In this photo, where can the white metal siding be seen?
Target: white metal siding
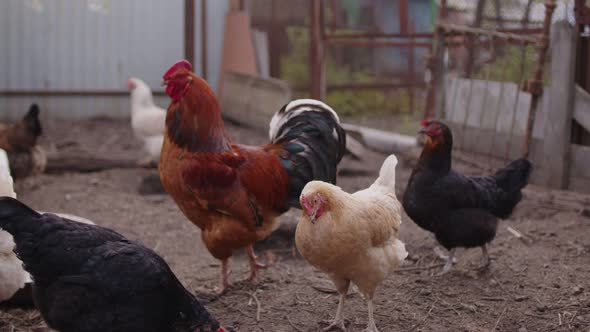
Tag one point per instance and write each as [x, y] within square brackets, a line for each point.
[95, 45]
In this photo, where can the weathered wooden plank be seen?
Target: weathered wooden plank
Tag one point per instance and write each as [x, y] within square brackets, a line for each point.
[238, 50]
[580, 184]
[380, 140]
[582, 107]
[492, 143]
[499, 147]
[251, 100]
[580, 161]
[556, 149]
[490, 104]
[84, 162]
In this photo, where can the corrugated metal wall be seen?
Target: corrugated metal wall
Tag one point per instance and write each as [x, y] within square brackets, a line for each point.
[95, 45]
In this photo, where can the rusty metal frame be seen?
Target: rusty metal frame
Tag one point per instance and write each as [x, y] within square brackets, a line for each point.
[364, 86]
[320, 39]
[414, 35]
[204, 39]
[455, 29]
[189, 30]
[374, 44]
[316, 51]
[533, 86]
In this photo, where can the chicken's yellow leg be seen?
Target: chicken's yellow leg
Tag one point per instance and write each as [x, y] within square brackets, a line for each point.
[338, 321]
[342, 287]
[371, 327]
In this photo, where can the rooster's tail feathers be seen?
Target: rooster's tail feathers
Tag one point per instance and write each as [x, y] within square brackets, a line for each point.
[386, 177]
[312, 140]
[294, 109]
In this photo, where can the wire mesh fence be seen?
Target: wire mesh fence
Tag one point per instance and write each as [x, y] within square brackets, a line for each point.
[486, 82]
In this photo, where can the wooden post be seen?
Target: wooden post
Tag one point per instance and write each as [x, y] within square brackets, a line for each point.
[535, 85]
[316, 56]
[189, 31]
[556, 145]
[204, 39]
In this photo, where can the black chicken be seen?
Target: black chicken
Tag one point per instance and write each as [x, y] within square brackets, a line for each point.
[462, 211]
[89, 278]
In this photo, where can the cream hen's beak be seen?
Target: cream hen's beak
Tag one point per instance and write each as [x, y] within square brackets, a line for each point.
[312, 218]
[307, 208]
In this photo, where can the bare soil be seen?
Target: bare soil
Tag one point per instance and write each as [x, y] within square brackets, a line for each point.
[538, 283]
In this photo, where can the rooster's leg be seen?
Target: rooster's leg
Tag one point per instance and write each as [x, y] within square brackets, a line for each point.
[449, 263]
[224, 276]
[254, 264]
[371, 327]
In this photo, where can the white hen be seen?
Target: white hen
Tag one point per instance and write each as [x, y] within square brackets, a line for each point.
[353, 237]
[12, 275]
[147, 119]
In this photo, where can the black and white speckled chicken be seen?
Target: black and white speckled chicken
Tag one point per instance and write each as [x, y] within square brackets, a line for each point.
[88, 278]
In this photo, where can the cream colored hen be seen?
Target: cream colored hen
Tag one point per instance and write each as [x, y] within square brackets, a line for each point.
[353, 237]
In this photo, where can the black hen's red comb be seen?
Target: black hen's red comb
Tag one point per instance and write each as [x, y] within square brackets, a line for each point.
[182, 64]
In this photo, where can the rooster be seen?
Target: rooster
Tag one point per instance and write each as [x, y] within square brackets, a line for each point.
[147, 119]
[19, 140]
[353, 237]
[89, 278]
[233, 192]
[461, 211]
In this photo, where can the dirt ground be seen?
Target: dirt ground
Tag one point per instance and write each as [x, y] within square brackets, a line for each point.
[538, 283]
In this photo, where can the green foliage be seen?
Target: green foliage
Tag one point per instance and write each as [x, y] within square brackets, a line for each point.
[510, 66]
[295, 70]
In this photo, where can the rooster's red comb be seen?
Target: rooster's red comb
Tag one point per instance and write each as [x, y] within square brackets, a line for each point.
[182, 64]
[425, 123]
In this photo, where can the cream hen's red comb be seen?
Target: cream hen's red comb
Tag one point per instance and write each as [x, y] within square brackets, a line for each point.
[182, 64]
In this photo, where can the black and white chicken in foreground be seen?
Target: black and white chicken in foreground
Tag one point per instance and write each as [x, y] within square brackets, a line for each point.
[88, 278]
[461, 211]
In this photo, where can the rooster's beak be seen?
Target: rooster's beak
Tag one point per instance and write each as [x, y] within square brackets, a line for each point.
[164, 82]
[422, 131]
